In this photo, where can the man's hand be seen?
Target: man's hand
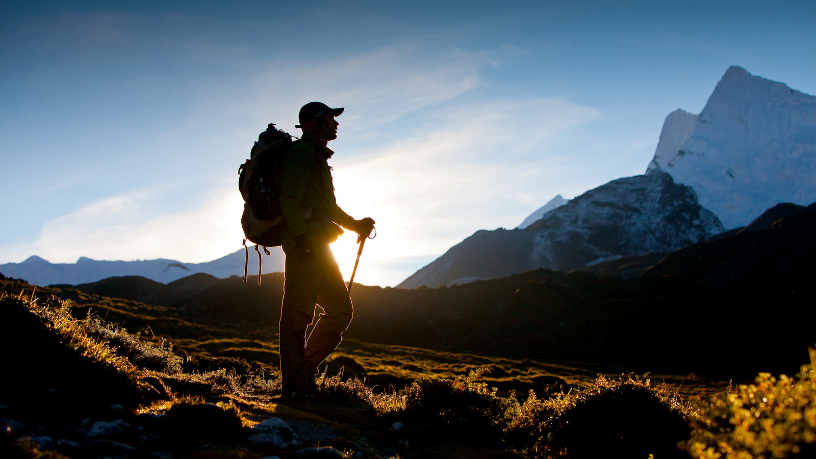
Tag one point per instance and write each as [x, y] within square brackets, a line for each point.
[304, 248]
[363, 228]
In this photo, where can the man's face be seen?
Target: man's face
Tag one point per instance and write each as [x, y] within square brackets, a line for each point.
[331, 127]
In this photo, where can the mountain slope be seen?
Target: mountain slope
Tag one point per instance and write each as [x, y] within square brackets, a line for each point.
[628, 216]
[553, 203]
[144, 290]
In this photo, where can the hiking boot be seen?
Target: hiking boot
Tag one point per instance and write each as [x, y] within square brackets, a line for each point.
[299, 391]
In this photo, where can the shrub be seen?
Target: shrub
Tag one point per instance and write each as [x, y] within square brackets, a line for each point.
[354, 393]
[626, 417]
[772, 418]
[623, 418]
[528, 428]
[459, 409]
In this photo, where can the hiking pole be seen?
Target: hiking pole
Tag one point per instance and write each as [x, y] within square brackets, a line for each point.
[359, 252]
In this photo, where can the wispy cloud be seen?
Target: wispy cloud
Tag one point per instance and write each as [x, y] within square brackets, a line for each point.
[136, 226]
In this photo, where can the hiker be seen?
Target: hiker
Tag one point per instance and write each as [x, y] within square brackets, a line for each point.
[312, 275]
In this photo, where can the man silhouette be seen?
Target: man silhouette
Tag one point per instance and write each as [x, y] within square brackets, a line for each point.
[312, 275]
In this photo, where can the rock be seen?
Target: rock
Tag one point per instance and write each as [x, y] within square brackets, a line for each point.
[396, 427]
[3, 408]
[270, 457]
[149, 439]
[326, 452]
[275, 432]
[67, 443]
[116, 408]
[85, 422]
[102, 447]
[12, 427]
[403, 443]
[42, 440]
[161, 454]
[107, 429]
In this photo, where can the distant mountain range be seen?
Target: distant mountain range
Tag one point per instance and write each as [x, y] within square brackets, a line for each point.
[753, 146]
[40, 272]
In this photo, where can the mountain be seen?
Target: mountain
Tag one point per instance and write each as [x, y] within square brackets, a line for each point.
[554, 203]
[37, 271]
[144, 290]
[753, 146]
[633, 215]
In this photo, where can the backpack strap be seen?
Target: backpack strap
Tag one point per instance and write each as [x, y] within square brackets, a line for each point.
[260, 263]
[246, 260]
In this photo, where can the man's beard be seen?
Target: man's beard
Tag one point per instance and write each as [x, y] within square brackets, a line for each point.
[324, 131]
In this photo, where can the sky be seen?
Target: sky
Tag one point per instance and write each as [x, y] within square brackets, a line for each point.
[122, 124]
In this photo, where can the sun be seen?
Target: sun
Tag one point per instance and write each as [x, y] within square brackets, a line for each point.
[345, 252]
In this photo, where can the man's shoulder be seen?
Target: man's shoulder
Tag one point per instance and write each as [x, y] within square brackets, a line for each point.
[300, 147]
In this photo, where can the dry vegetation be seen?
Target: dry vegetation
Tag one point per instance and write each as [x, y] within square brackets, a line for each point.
[210, 381]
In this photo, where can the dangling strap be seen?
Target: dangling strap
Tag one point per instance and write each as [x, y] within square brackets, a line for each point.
[260, 263]
[246, 260]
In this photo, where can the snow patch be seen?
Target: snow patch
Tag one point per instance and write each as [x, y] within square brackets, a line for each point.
[554, 203]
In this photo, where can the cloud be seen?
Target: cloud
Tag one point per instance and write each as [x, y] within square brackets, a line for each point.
[378, 88]
[136, 226]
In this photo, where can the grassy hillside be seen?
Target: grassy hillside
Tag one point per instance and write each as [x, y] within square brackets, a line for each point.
[82, 386]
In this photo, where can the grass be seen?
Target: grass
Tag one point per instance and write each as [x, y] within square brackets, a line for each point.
[217, 379]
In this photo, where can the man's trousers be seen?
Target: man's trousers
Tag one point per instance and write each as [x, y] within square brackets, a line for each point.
[307, 283]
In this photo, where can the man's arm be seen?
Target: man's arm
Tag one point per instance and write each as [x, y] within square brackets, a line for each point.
[343, 219]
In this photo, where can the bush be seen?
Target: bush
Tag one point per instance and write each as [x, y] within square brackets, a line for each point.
[772, 418]
[354, 393]
[459, 409]
[626, 417]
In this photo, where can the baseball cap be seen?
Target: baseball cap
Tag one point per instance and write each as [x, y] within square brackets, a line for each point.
[312, 110]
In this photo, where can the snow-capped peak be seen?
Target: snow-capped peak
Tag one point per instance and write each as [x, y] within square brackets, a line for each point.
[752, 146]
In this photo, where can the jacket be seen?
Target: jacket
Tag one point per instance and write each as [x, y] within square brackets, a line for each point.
[307, 197]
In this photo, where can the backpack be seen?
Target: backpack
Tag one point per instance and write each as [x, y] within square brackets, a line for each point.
[259, 184]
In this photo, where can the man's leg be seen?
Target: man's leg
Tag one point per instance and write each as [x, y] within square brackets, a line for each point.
[297, 311]
[333, 298]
